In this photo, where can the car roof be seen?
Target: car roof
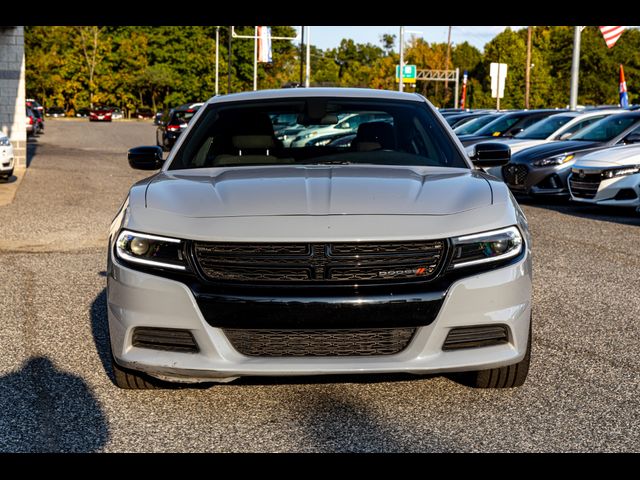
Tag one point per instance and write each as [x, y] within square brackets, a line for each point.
[287, 93]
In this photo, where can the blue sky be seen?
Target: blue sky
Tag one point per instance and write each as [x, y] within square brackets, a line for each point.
[330, 37]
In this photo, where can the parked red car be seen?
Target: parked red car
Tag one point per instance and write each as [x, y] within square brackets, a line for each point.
[100, 114]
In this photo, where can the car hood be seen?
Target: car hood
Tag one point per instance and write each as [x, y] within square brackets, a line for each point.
[317, 190]
[546, 150]
[611, 157]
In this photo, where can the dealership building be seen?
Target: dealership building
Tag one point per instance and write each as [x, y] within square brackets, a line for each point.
[12, 91]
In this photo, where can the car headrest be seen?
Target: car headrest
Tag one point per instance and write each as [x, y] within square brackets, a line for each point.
[375, 135]
[257, 142]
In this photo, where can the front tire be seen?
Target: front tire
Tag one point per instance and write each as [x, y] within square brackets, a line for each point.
[131, 379]
[510, 376]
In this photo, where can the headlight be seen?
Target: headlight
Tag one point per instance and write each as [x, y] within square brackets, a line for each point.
[4, 142]
[323, 142]
[486, 247]
[150, 250]
[556, 160]
[621, 172]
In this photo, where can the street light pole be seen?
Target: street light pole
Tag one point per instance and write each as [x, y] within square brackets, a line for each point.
[255, 59]
[575, 67]
[307, 73]
[446, 78]
[229, 63]
[217, 55]
[400, 79]
[527, 72]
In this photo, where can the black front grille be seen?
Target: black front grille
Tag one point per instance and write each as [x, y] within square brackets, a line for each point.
[320, 262]
[319, 342]
[515, 174]
[584, 185]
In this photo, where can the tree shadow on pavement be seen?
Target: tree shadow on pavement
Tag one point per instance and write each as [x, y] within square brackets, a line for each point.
[43, 409]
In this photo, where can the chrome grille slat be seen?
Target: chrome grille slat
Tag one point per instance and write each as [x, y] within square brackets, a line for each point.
[320, 262]
[319, 342]
[585, 186]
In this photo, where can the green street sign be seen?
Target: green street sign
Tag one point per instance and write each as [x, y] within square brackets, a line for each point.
[408, 73]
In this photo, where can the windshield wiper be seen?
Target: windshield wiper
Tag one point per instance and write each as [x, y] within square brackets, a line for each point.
[331, 162]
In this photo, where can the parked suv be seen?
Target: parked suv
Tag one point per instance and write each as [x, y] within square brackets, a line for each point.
[244, 257]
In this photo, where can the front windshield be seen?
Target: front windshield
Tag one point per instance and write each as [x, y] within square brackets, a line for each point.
[329, 131]
[498, 126]
[605, 129]
[542, 130]
[476, 124]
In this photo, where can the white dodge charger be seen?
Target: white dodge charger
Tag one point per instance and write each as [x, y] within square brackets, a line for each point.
[391, 252]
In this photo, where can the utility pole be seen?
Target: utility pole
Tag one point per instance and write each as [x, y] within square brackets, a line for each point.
[217, 55]
[575, 68]
[527, 72]
[229, 63]
[302, 55]
[400, 80]
[446, 78]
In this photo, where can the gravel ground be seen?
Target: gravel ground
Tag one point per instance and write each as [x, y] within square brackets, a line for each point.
[55, 378]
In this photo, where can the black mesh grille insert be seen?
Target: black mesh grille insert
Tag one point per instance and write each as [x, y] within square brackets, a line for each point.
[170, 339]
[320, 262]
[478, 336]
[319, 342]
[515, 174]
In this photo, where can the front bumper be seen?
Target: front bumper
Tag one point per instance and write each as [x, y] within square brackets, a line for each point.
[610, 189]
[137, 299]
[539, 181]
[6, 159]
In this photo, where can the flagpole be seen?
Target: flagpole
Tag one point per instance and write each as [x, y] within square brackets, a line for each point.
[575, 68]
[307, 73]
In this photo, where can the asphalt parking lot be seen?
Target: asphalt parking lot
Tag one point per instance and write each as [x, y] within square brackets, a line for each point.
[57, 394]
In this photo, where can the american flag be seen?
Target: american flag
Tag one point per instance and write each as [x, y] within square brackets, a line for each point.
[611, 34]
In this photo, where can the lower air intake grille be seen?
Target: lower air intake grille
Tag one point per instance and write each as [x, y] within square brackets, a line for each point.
[319, 342]
[169, 339]
[472, 337]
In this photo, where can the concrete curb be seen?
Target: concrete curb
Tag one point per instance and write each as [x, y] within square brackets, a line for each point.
[8, 189]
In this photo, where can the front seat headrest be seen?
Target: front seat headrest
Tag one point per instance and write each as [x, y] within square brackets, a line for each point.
[375, 136]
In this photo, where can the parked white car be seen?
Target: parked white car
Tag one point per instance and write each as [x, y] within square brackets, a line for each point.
[346, 125]
[6, 157]
[607, 177]
[556, 127]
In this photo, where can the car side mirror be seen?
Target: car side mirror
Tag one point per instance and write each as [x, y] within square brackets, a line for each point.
[632, 138]
[145, 158]
[491, 154]
[514, 132]
[565, 136]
